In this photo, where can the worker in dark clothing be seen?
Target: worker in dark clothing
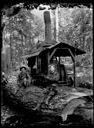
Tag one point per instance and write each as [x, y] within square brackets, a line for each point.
[24, 79]
[63, 75]
[70, 81]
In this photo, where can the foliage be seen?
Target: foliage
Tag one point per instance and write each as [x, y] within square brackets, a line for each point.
[22, 31]
[79, 30]
[19, 33]
[76, 29]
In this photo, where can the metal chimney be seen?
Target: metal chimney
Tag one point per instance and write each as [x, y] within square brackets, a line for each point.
[47, 21]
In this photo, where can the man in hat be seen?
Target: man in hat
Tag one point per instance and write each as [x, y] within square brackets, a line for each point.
[52, 72]
[24, 77]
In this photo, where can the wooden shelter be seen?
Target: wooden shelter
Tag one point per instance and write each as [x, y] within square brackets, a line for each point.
[41, 57]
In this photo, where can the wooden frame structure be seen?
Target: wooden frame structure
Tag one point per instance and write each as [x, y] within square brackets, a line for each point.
[45, 54]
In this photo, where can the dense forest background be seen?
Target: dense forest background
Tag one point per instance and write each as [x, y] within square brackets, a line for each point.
[23, 31]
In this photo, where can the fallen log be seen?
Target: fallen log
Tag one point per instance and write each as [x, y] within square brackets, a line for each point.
[61, 105]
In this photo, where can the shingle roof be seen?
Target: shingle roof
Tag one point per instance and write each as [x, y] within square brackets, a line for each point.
[62, 49]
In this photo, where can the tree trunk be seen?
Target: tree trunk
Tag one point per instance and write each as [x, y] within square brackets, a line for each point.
[11, 52]
[57, 26]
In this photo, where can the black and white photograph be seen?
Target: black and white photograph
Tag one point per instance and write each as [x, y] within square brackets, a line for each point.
[47, 65]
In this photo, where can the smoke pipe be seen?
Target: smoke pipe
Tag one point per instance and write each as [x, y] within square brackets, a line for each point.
[47, 21]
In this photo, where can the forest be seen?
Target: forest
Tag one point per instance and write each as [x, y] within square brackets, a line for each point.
[23, 32]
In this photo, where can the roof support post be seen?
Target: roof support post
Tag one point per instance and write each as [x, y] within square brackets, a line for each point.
[73, 58]
[48, 61]
[37, 64]
[74, 74]
[60, 76]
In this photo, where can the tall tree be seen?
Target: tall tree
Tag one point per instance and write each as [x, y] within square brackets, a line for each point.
[21, 28]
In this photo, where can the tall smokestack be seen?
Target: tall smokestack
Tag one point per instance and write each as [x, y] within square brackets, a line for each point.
[56, 26]
[47, 21]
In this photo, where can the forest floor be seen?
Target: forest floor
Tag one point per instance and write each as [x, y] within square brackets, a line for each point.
[84, 78]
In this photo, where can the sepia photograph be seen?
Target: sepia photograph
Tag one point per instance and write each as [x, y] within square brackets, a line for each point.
[47, 65]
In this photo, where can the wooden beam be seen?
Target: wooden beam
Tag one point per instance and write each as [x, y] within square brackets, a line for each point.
[73, 58]
[48, 62]
[60, 76]
[71, 55]
[52, 54]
